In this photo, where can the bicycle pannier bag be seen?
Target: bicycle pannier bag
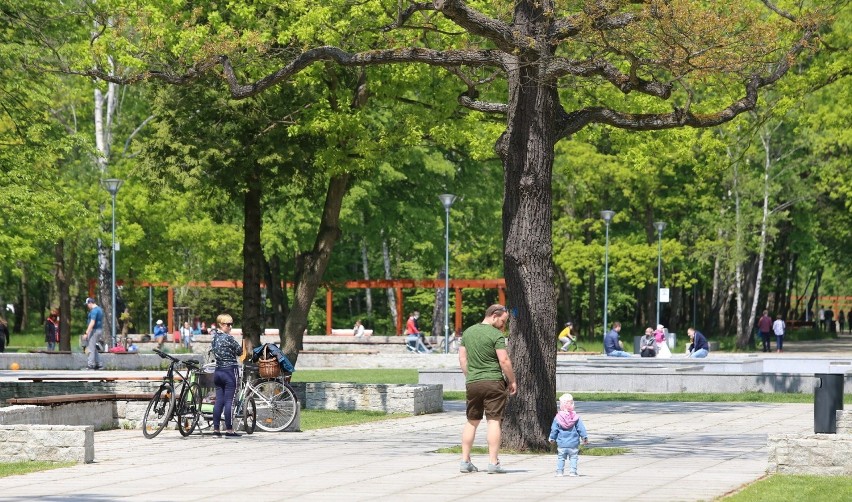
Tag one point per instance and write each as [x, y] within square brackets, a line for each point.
[268, 366]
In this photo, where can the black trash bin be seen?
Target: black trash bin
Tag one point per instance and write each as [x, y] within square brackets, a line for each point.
[828, 398]
[637, 344]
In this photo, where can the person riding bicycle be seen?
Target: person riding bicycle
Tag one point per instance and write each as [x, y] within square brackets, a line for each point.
[227, 352]
[412, 330]
[565, 337]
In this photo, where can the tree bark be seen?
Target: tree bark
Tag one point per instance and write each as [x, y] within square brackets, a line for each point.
[252, 257]
[388, 275]
[63, 290]
[527, 149]
[310, 267]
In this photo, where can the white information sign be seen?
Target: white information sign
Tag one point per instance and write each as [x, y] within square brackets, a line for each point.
[664, 295]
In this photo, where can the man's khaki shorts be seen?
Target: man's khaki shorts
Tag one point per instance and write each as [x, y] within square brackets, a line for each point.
[488, 397]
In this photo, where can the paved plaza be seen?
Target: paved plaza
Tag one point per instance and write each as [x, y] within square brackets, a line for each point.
[679, 451]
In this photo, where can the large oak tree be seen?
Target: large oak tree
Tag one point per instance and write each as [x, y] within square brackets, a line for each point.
[528, 61]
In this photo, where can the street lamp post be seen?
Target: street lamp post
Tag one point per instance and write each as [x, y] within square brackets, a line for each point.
[447, 200]
[607, 217]
[660, 225]
[112, 185]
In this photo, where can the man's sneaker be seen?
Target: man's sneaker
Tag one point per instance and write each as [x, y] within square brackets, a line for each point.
[467, 467]
[559, 474]
[573, 474]
[496, 469]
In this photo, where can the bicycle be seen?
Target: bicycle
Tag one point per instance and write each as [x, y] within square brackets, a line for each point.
[454, 345]
[275, 400]
[165, 405]
[574, 347]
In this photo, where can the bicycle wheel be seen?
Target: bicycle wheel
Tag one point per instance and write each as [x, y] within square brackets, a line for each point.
[189, 409]
[159, 411]
[276, 404]
[246, 419]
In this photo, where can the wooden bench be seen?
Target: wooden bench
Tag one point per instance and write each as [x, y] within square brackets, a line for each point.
[78, 398]
[349, 332]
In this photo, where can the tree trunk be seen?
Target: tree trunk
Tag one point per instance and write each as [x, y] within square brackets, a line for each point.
[311, 266]
[438, 310]
[388, 275]
[277, 293]
[365, 267]
[252, 258]
[63, 290]
[527, 149]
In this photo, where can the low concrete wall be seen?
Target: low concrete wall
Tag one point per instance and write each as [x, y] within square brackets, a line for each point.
[99, 414]
[40, 389]
[413, 399]
[57, 443]
[653, 379]
[821, 454]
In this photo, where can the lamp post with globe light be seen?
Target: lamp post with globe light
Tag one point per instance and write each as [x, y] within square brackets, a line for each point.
[447, 200]
[607, 217]
[112, 185]
[659, 225]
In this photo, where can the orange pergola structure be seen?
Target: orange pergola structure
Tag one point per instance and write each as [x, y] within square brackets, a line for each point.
[397, 284]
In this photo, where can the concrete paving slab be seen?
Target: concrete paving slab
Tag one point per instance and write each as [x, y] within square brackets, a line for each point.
[721, 444]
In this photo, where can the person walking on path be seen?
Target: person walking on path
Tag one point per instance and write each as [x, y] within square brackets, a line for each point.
[699, 347]
[227, 351]
[821, 314]
[94, 332]
[566, 431]
[51, 330]
[779, 327]
[764, 326]
[841, 318]
[612, 345]
[565, 337]
[489, 381]
[4, 334]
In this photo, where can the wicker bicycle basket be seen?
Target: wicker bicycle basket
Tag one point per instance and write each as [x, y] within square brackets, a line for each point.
[268, 366]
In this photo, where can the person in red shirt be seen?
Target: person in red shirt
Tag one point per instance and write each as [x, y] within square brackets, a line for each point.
[412, 328]
[764, 326]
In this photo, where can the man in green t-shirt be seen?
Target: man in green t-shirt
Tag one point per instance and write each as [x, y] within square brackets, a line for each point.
[489, 380]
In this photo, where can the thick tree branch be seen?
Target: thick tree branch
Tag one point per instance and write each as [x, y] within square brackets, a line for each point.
[574, 121]
[563, 29]
[468, 100]
[559, 67]
[477, 23]
[403, 16]
[305, 59]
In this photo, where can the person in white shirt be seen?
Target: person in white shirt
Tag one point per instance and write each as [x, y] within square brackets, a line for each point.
[358, 328]
[779, 326]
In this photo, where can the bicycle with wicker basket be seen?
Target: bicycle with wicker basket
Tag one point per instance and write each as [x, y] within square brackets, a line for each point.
[274, 396]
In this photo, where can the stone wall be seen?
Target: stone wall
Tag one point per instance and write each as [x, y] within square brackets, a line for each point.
[820, 454]
[57, 443]
[414, 399]
[99, 414]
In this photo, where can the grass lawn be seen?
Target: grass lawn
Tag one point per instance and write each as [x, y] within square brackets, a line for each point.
[322, 419]
[782, 487]
[13, 468]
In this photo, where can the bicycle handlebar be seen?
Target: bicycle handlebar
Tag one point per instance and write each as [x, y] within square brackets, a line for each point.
[191, 363]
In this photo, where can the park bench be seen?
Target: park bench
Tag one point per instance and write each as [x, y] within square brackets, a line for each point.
[79, 398]
[349, 332]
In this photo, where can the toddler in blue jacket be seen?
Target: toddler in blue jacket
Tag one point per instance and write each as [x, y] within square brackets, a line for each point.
[567, 431]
